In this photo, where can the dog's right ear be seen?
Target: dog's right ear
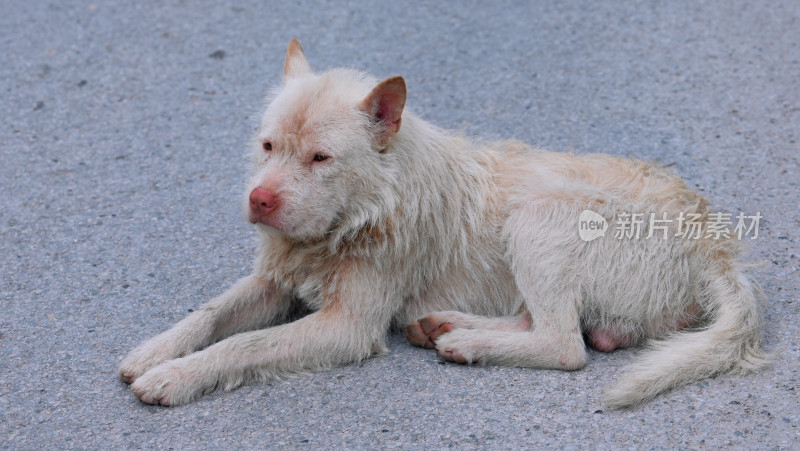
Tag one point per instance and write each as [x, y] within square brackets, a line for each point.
[296, 63]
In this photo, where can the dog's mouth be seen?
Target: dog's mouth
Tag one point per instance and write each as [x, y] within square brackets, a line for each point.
[306, 232]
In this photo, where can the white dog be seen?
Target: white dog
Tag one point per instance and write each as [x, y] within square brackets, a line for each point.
[372, 218]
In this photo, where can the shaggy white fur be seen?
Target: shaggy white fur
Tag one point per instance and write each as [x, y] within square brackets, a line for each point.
[372, 218]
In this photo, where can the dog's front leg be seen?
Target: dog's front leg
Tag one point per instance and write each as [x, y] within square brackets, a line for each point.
[249, 304]
[330, 337]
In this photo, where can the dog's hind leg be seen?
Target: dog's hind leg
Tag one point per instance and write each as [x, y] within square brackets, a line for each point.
[552, 297]
[424, 331]
[553, 341]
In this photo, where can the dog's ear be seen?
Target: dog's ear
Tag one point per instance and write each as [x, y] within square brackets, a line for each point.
[385, 106]
[296, 63]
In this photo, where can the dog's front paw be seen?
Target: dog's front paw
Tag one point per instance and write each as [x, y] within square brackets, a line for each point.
[169, 384]
[149, 355]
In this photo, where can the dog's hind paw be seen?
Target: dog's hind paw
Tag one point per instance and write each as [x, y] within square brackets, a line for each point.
[424, 332]
[459, 346]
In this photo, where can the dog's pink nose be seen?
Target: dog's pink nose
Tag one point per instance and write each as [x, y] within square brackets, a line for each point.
[262, 203]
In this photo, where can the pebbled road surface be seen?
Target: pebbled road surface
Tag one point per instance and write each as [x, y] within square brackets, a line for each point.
[122, 137]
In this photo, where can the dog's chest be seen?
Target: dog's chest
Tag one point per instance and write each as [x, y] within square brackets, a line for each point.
[310, 294]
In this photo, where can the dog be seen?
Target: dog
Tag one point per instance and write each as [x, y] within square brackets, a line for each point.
[371, 219]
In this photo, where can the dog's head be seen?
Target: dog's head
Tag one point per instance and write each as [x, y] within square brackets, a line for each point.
[320, 155]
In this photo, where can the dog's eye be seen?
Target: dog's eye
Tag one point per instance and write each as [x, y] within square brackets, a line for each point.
[320, 157]
[267, 146]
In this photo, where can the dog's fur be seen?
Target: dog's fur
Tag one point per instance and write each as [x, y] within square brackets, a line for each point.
[374, 218]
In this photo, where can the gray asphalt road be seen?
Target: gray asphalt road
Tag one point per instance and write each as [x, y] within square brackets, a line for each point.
[121, 142]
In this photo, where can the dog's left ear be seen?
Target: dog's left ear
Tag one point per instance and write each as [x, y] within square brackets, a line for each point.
[385, 105]
[296, 63]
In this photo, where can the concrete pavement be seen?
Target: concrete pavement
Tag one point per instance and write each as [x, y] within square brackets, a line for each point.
[124, 126]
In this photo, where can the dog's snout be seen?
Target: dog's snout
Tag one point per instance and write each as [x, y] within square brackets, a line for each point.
[262, 203]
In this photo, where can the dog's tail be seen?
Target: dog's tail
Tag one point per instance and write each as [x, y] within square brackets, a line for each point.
[730, 344]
